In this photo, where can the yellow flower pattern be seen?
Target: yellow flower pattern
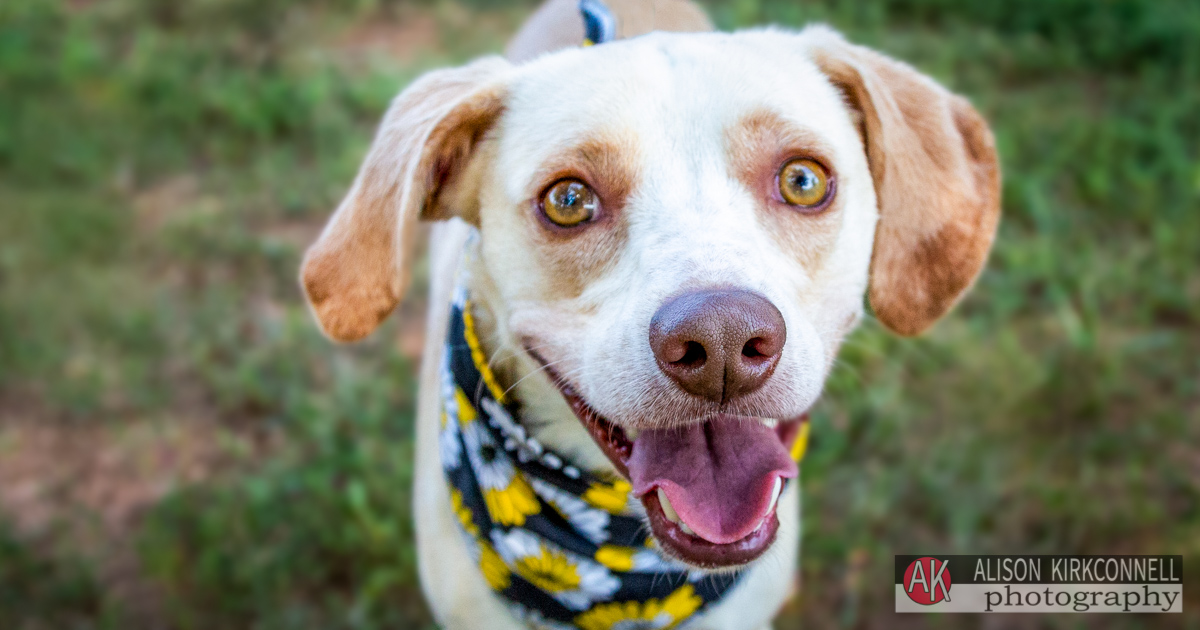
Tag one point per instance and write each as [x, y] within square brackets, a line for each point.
[650, 615]
[510, 506]
[493, 568]
[610, 497]
[615, 557]
[801, 444]
[466, 411]
[577, 582]
[463, 513]
[550, 571]
[477, 355]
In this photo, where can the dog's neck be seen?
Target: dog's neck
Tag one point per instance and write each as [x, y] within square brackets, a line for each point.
[544, 412]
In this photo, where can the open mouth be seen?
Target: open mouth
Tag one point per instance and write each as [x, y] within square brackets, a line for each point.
[710, 489]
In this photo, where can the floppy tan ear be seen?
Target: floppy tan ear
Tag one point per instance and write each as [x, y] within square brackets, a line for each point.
[937, 180]
[356, 272]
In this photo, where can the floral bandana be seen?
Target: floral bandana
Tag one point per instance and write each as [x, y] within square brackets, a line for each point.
[559, 543]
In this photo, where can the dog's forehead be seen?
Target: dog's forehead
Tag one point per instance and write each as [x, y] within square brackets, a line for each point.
[677, 92]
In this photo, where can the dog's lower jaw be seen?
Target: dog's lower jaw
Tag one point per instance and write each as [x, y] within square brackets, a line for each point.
[697, 552]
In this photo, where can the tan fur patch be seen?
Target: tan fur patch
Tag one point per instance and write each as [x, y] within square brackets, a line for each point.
[610, 163]
[757, 146]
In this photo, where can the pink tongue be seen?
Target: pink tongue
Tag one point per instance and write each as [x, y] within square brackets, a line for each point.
[718, 475]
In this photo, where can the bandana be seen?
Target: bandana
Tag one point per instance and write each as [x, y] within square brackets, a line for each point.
[560, 544]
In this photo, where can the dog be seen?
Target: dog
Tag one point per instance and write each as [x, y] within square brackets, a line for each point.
[645, 256]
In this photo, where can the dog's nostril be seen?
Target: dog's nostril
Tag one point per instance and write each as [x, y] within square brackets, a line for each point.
[753, 348]
[693, 355]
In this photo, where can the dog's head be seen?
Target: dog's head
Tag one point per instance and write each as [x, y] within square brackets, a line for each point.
[676, 233]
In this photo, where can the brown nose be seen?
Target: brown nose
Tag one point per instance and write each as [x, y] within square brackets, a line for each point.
[718, 344]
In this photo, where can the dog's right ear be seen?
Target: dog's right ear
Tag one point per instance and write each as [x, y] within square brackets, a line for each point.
[356, 272]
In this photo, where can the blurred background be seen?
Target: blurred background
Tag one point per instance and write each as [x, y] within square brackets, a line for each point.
[180, 448]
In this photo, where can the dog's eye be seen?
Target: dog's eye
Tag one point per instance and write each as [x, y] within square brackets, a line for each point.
[804, 183]
[569, 202]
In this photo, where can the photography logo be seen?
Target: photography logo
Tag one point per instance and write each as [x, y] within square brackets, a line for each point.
[927, 581]
[1039, 584]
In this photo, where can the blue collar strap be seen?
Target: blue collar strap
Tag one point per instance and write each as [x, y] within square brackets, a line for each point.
[599, 23]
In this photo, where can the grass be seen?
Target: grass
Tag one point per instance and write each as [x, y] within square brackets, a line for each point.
[162, 166]
[42, 592]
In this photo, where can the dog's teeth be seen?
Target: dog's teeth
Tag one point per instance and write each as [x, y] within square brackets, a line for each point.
[775, 494]
[669, 512]
[667, 509]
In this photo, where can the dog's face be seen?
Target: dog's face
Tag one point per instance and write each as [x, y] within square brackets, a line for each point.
[676, 233]
[681, 152]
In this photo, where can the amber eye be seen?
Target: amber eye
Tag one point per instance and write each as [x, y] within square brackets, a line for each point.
[569, 203]
[803, 182]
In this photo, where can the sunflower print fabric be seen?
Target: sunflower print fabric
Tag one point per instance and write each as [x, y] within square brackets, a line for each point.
[560, 544]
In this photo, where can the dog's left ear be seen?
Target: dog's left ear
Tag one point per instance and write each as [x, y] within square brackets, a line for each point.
[937, 179]
[419, 167]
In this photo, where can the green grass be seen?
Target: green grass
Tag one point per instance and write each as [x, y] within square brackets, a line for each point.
[42, 592]
[162, 162]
